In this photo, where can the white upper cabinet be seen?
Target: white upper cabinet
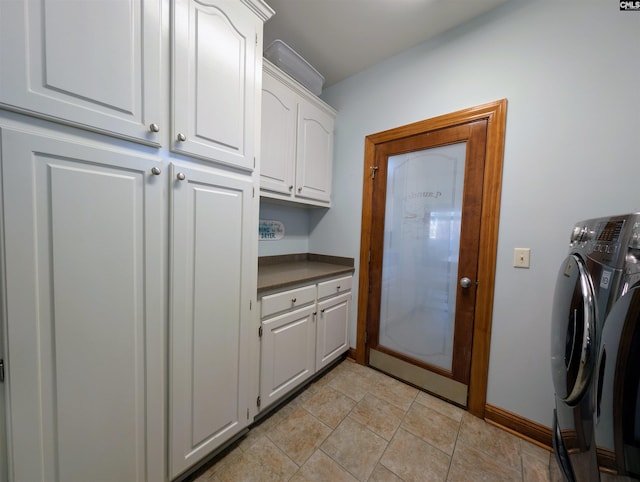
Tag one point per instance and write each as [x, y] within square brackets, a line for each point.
[314, 155]
[296, 159]
[216, 44]
[278, 136]
[96, 65]
[102, 65]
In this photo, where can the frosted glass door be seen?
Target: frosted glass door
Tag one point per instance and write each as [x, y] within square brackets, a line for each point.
[421, 246]
[426, 205]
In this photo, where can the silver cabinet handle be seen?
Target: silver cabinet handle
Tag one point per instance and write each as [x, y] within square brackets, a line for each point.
[291, 188]
[154, 127]
[465, 282]
[155, 171]
[182, 137]
[181, 176]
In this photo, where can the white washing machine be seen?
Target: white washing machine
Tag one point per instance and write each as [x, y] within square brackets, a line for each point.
[590, 282]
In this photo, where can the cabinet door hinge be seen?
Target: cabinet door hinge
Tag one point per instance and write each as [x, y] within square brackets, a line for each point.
[366, 336]
[258, 402]
[1, 370]
[250, 305]
[256, 39]
[247, 413]
[260, 332]
[253, 194]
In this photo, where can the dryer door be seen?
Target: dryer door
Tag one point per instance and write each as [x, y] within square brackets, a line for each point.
[573, 331]
[618, 402]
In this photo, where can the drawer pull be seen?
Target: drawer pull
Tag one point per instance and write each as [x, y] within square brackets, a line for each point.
[338, 287]
[293, 300]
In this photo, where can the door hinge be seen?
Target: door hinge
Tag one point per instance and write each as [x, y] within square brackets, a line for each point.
[256, 39]
[1, 370]
[250, 305]
[258, 402]
[369, 261]
[253, 194]
[247, 413]
[260, 332]
[366, 337]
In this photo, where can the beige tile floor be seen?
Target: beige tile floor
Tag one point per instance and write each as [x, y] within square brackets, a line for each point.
[358, 424]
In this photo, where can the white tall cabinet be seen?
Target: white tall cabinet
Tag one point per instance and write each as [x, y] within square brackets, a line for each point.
[129, 273]
[84, 306]
[212, 293]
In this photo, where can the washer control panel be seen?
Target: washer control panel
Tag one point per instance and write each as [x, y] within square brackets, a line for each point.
[600, 239]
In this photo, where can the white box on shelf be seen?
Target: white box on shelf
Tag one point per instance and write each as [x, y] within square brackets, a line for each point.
[287, 59]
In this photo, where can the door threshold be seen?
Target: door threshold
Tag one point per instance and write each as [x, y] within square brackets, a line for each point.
[429, 381]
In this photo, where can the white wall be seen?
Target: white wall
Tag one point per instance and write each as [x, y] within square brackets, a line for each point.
[570, 72]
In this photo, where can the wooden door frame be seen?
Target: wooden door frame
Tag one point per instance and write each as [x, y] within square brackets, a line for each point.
[495, 113]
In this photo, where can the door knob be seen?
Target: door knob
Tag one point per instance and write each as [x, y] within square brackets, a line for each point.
[465, 282]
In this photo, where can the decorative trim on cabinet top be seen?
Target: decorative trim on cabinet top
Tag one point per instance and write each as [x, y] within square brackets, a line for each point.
[261, 9]
[300, 89]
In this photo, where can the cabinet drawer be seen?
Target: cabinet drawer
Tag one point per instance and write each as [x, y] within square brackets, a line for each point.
[334, 286]
[287, 300]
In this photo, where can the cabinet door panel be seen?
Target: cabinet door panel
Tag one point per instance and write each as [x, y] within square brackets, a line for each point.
[92, 64]
[288, 353]
[314, 153]
[211, 231]
[214, 57]
[333, 329]
[277, 155]
[84, 305]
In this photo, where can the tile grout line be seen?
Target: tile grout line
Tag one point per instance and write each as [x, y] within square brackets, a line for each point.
[455, 445]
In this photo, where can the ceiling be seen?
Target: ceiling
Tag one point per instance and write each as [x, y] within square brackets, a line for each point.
[340, 38]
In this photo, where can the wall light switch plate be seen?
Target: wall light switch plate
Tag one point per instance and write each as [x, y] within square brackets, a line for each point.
[521, 257]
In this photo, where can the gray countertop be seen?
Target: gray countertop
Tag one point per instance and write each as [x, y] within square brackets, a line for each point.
[277, 272]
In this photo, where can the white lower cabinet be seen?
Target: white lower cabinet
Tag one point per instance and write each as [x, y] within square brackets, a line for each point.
[85, 365]
[211, 293]
[332, 332]
[288, 353]
[302, 331]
